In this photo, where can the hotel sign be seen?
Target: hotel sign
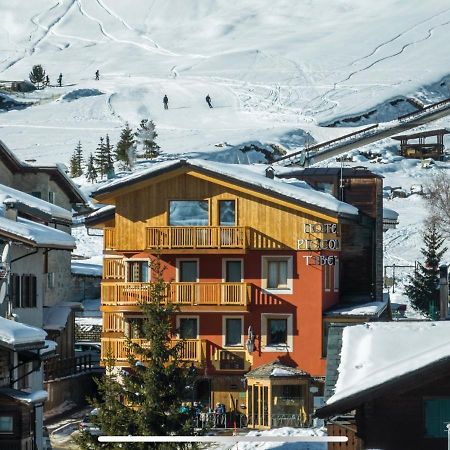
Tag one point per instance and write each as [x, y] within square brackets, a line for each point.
[317, 244]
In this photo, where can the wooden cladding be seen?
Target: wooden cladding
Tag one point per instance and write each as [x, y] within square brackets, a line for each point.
[187, 294]
[113, 269]
[118, 348]
[196, 237]
[109, 238]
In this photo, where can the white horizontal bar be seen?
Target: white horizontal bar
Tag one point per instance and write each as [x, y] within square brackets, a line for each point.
[223, 439]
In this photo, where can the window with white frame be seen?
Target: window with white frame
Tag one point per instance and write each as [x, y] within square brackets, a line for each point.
[336, 275]
[277, 273]
[276, 332]
[51, 197]
[233, 331]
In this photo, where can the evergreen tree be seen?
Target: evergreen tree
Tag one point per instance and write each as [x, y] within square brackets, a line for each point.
[146, 136]
[91, 171]
[147, 399]
[423, 286]
[37, 76]
[109, 161]
[101, 162]
[126, 147]
[79, 159]
[73, 166]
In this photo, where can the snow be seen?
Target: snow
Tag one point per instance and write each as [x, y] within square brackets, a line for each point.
[55, 317]
[277, 372]
[285, 431]
[16, 333]
[55, 212]
[36, 233]
[389, 214]
[80, 267]
[363, 309]
[50, 346]
[294, 190]
[26, 397]
[377, 352]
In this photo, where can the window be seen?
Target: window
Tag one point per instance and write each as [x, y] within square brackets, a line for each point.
[233, 331]
[277, 273]
[6, 424]
[327, 277]
[23, 291]
[50, 280]
[277, 331]
[138, 272]
[188, 327]
[437, 415]
[188, 271]
[232, 271]
[336, 275]
[187, 213]
[51, 197]
[227, 213]
[36, 194]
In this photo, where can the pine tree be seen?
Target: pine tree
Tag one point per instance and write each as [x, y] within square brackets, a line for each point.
[91, 171]
[422, 289]
[147, 399]
[78, 154]
[73, 166]
[109, 162]
[126, 147]
[37, 76]
[100, 158]
[146, 136]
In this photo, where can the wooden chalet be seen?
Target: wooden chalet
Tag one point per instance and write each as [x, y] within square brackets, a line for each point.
[415, 145]
[253, 261]
[396, 393]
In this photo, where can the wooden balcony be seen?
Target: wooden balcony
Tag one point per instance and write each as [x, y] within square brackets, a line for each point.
[113, 269]
[109, 238]
[191, 349]
[196, 238]
[199, 296]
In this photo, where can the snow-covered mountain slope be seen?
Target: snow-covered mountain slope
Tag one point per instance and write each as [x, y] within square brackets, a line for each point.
[270, 68]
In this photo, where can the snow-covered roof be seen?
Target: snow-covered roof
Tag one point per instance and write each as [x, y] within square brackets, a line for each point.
[390, 214]
[16, 333]
[358, 309]
[251, 176]
[49, 209]
[378, 352]
[55, 317]
[79, 267]
[25, 397]
[50, 346]
[35, 234]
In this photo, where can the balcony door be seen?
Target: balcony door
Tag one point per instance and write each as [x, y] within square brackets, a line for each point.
[233, 292]
[187, 292]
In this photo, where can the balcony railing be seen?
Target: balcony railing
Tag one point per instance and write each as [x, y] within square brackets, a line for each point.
[118, 348]
[184, 294]
[113, 269]
[196, 237]
[109, 238]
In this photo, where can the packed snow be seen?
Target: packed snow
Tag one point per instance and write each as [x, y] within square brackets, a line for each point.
[377, 352]
[15, 333]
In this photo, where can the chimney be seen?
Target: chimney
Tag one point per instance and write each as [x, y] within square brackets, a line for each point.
[443, 291]
[270, 172]
[10, 209]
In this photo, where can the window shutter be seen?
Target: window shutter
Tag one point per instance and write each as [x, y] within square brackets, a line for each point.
[15, 290]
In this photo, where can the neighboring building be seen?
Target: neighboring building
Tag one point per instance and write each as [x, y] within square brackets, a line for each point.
[254, 261]
[27, 235]
[390, 219]
[395, 376]
[415, 145]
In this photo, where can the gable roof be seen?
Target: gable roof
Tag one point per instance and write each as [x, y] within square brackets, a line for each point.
[290, 190]
[379, 357]
[56, 173]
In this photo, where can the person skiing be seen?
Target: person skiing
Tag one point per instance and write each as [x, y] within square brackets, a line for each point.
[166, 102]
[60, 80]
[47, 80]
[97, 74]
[208, 100]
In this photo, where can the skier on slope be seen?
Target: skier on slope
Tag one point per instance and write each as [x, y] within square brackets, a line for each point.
[208, 100]
[166, 102]
[60, 80]
[97, 74]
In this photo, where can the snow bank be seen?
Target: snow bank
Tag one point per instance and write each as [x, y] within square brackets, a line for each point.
[377, 352]
[80, 267]
[15, 333]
